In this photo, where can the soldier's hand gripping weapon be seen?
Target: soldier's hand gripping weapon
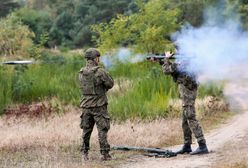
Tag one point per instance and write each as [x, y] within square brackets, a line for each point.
[151, 152]
[160, 58]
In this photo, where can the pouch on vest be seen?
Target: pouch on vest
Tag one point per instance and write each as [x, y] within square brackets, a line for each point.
[87, 81]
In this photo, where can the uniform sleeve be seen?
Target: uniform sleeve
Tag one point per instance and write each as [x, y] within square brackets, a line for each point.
[169, 67]
[80, 75]
[107, 80]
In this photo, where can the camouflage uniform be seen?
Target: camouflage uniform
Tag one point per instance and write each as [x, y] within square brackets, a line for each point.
[188, 91]
[94, 83]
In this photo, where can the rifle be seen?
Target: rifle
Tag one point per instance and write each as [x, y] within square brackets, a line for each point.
[151, 152]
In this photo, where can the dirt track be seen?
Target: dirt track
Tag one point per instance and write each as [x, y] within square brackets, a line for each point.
[233, 131]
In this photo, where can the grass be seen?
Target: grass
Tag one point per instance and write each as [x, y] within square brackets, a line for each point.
[55, 141]
[142, 97]
[5, 90]
[50, 77]
[43, 158]
[143, 90]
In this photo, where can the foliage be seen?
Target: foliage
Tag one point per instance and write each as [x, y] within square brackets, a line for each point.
[212, 88]
[55, 76]
[36, 50]
[15, 38]
[6, 6]
[19, 84]
[148, 96]
[192, 10]
[5, 89]
[73, 18]
[242, 8]
[148, 30]
[50, 78]
[68, 22]
[40, 22]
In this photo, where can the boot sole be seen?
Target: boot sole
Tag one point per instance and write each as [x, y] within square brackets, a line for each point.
[183, 153]
[201, 153]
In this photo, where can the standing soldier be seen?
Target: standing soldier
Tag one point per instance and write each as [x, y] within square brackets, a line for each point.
[94, 84]
[188, 90]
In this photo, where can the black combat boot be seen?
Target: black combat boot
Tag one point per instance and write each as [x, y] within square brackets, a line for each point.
[202, 149]
[185, 149]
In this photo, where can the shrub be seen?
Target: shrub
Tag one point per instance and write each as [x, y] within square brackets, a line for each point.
[15, 38]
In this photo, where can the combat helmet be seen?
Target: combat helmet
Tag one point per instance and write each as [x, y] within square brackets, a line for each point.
[91, 53]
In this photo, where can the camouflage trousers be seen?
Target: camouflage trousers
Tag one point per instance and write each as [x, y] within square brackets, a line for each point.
[190, 124]
[89, 118]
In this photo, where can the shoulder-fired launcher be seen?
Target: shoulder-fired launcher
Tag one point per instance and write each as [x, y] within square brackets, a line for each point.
[160, 58]
[157, 152]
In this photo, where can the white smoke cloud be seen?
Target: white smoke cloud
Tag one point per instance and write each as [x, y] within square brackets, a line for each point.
[122, 55]
[219, 47]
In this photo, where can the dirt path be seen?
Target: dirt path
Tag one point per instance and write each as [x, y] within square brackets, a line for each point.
[229, 133]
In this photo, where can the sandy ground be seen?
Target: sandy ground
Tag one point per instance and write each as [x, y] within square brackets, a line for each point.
[55, 142]
[222, 141]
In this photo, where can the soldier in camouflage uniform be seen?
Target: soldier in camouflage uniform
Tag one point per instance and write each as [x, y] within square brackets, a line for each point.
[188, 91]
[94, 84]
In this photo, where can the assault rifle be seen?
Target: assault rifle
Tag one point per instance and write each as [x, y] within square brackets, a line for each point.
[151, 152]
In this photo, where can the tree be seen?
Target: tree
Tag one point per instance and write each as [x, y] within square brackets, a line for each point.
[40, 22]
[243, 11]
[235, 10]
[149, 30]
[15, 38]
[6, 6]
[68, 21]
[192, 10]
[78, 15]
[90, 12]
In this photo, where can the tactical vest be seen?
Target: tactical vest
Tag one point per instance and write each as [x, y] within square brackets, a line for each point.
[90, 83]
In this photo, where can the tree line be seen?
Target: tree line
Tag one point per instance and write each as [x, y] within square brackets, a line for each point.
[109, 23]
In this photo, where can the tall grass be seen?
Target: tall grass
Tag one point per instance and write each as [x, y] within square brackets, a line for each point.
[5, 89]
[53, 77]
[211, 88]
[56, 76]
[148, 95]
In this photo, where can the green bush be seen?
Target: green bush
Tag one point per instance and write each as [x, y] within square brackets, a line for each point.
[15, 37]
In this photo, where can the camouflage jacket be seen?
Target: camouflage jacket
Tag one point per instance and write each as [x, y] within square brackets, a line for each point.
[94, 84]
[186, 82]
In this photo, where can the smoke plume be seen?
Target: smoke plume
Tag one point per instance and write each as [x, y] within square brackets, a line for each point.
[220, 52]
[219, 47]
[122, 55]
